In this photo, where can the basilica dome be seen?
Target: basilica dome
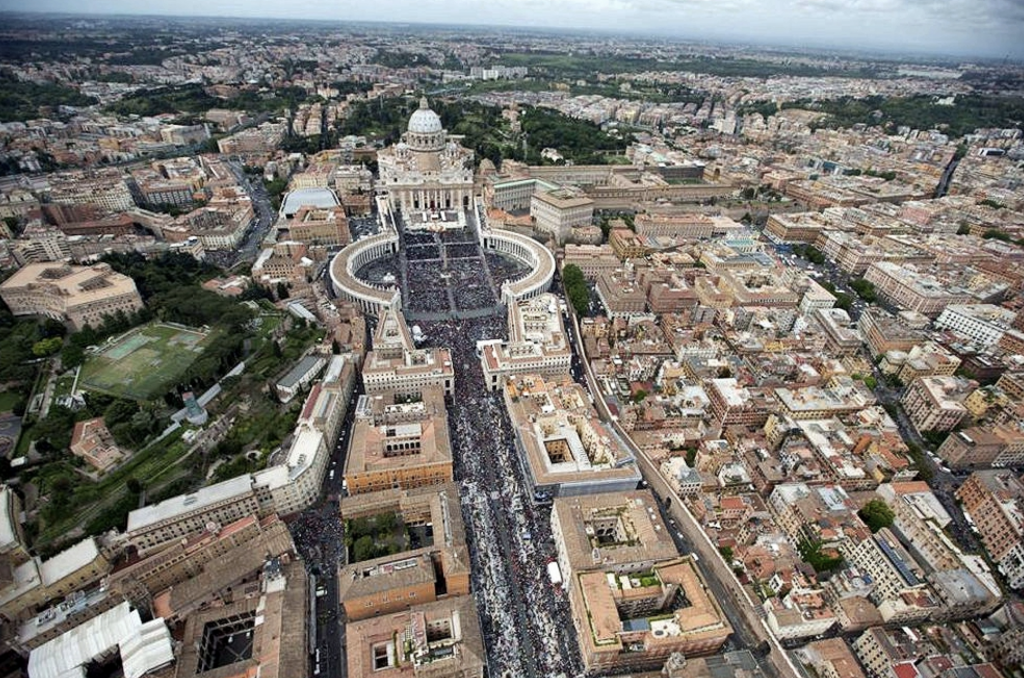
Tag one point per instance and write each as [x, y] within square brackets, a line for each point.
[425, 121]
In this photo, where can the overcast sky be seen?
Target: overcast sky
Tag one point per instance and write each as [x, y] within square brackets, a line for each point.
[982, 27]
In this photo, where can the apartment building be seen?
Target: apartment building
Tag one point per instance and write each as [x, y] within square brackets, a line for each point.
[984, 446]
[924, 360]
[76, 295]
[840, 396]
[621, 294]
[909, 290]
[735, 404]
[936, 403]
[884, 332]
[105, 188]
[982, 325]
[833, 658]
[882, 651]
[995, 501]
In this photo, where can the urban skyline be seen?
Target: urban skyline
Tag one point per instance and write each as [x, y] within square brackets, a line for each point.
[979, 28]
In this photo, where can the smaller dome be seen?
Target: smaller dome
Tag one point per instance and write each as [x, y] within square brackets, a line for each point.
[425, 121]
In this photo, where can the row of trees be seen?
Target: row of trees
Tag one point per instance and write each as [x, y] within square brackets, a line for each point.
[970, 112]
[576, 289]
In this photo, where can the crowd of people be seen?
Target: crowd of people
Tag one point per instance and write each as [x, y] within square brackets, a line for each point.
[527, 626]
[446, 273]
[525, 618]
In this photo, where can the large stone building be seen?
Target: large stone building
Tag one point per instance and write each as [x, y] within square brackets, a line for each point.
[396, 365]
[399, 442]
[437, 640]
[562, 445]
[433, 566]
[557, 212]
[634, 601]
[76, 295]
[537, 343]
[427, 170]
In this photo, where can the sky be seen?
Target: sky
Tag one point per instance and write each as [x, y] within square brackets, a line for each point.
[992, 28]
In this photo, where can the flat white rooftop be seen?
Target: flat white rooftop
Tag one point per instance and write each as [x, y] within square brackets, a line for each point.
[185, 503]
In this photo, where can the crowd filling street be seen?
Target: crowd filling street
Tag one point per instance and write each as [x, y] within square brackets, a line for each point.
[526, 623]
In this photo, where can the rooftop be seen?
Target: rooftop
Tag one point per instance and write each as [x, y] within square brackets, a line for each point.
[176, 506]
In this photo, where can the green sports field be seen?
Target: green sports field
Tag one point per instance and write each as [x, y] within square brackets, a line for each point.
[142, 363]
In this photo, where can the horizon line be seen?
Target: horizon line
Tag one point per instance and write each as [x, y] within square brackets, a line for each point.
[648, 33]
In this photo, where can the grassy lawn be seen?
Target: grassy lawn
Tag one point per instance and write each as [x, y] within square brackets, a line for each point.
[8, 399]
[91, 499]
[62, 387]
[140, 364]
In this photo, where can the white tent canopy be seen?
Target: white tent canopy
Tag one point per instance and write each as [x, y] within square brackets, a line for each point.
[143, 647]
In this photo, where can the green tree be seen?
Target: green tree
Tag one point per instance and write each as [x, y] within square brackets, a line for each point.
[45, 347]
[363, 548]
[639, 396]
[876, 514]
[814, 555]
[576, 288]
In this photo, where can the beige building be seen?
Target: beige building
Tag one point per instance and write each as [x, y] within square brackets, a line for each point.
[438, 640]
[152, 527]
[13, 547]
[92, 441]
[395, 365]
[936, 403]
[592, 260]
[537, 343]
[832, 658]
[37, 582]
[909, 290]
[621, 294]
[105, 188]
[76, 295]
[995, 501]
[557, 212]
[436, 569]
[399, 443]
[214, 547]
[626, 583]
[983, 446]
[563, 446]
[272, 616]
[319, 226]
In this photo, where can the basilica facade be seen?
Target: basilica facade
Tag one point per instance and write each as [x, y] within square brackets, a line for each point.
[426, 172]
